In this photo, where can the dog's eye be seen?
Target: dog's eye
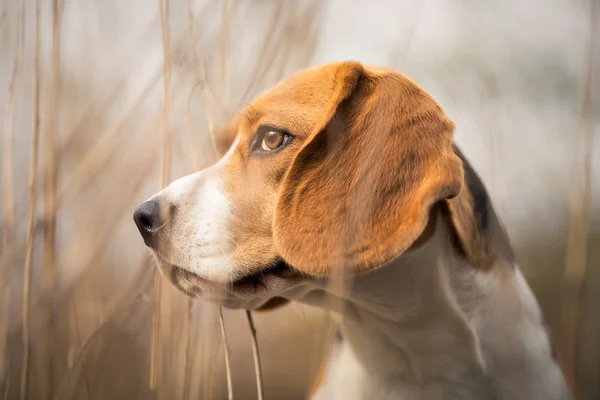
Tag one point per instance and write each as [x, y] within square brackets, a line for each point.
[272, 140]
[269, 139]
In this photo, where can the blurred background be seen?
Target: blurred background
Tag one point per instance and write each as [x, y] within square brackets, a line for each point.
[104, 101]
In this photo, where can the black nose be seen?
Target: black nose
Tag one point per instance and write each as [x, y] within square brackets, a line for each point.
[148, 219]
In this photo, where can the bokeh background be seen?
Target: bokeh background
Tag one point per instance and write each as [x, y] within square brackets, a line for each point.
[127, 98]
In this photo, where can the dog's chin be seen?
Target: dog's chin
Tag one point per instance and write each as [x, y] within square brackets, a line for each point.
[258, 291]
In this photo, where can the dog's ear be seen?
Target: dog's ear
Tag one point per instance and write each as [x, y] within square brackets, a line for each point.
[359, 191]
[479, 235]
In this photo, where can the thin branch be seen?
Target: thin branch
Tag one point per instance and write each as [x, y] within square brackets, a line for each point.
[187, 328]
[263, 59]
[9, 206]
[201, 72]
[576, 263]
[187, 322]
[155, 331]
[226, 350]
[188, 126]
[6, 388]
[9, 201]
[255, 353]
[164, 25]
[31, 209]
[226, 16]
[163, 7]
[50, 196]
[78, 338]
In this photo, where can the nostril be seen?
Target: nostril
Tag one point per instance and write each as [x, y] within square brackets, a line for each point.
[147, 217]
[146, 223]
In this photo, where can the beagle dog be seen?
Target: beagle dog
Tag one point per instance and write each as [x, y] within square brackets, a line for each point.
[349, 171]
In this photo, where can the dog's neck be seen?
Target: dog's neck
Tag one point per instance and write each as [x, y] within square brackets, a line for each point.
[428, 320]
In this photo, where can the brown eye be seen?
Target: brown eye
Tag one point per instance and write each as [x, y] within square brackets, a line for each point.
[272, 140]
[269, 140]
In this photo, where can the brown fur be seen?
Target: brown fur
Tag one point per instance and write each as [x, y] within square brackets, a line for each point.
[372, 154]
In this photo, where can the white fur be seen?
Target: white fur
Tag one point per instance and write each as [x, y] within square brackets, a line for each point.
[198, 240]
[428, 326]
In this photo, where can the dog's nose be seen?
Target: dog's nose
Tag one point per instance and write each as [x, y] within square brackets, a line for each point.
[148, 219]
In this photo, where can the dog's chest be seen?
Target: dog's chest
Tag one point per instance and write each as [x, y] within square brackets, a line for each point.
[346, 378]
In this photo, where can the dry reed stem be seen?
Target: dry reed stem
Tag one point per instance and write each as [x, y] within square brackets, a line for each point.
[50, 198]
[226, 350]
[256, 356]
[226, 15]
[263, 63]
[155, 331]
[576, 264]
[32, 200]
[187, 328]
[201, 71]
[7, 167]
[163, 7]
[187, 324]
[9, 206]
[78, 339]
[188, 128]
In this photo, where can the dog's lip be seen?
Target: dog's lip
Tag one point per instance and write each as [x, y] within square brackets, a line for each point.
[277, 270]
[263, 282]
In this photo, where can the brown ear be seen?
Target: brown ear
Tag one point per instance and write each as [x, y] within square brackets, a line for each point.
[358, 192]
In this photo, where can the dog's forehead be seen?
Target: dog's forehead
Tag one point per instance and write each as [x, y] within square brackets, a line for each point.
[313, 86]
[296, 103]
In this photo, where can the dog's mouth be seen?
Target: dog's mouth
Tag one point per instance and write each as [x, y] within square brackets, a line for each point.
[260, 279]
[265, 283]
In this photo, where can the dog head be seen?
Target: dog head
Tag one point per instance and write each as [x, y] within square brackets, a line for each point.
[336, 166]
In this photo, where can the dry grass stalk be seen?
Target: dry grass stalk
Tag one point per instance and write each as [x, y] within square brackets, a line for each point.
[226, 16]
[31, 207]
[7, 167]
[187, 323]
[9, 206]
[256, 356]
[188, 128]
[86, 381]
[226, 350]
[264, 58]
[576, 265]
[155, 332]
[50, 199]
[201, 71]
[163, 7]
[187, 330]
